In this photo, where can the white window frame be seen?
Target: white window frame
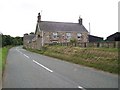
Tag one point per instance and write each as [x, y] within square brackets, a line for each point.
[79, 35]
[68, 35]
[55, 34]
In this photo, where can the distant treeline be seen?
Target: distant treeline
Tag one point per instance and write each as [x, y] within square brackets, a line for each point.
[6, 40]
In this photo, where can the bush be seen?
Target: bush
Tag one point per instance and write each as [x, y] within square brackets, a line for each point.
[73, 40]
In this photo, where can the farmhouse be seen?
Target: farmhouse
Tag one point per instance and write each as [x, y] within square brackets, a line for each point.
[56, 32]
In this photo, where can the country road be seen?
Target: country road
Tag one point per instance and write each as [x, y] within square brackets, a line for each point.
[26, 69]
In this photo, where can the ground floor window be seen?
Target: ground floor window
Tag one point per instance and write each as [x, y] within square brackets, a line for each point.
[79, 35]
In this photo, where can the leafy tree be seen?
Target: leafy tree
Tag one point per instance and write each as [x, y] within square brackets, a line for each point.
[32, 33]
[8, 40]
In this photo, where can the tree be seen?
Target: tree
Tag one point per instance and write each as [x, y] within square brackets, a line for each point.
[8, 40]
[32, 33]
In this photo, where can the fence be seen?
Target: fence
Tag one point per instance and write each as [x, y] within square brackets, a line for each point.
[112, 44]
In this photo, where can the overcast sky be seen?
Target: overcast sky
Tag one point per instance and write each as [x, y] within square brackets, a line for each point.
[20, 16]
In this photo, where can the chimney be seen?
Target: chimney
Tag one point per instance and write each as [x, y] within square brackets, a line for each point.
[25, 34]
[80, 20]
[39, 17]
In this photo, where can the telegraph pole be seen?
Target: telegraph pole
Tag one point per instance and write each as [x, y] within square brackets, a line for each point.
[89, 29]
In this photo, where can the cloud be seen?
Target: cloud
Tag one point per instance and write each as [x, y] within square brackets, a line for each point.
[19, 16]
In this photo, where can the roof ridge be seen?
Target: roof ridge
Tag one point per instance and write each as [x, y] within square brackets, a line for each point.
[61, 22]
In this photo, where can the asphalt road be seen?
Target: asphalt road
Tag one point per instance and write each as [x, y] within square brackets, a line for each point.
[26, 69]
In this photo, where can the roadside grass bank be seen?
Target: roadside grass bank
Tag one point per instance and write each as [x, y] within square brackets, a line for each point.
[0, 59]
[3, 54]
[105, 59]
[0, 67]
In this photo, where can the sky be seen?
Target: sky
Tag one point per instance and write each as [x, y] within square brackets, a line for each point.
[18, 17]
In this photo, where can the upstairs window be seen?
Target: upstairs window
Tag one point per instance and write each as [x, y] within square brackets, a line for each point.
[68, 35]
[79, 35]
[55, 35]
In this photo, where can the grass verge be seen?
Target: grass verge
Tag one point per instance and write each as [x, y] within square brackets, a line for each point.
[105, 59]
[3, 55]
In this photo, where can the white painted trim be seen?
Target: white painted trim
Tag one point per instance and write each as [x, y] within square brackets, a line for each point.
[39, 28]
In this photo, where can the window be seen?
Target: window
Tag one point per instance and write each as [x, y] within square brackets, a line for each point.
[79, 35]
[38, 36]
[68, 35]
[55, 35]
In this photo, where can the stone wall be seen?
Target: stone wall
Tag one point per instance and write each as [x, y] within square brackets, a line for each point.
[47, 38]
[62, 37]
[112, 44]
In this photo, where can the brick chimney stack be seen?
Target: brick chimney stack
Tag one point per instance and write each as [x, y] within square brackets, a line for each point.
[80, 20]
[39, 17]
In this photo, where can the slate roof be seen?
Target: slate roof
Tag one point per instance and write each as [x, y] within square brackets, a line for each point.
[95, 38]
[114, 37]
[61, 26]
[115, 34]
[29, 37]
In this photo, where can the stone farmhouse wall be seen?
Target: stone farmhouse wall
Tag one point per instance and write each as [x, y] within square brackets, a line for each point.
[48, 37]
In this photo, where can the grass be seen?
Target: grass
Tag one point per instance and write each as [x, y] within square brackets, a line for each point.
[0, 59]
[105, 59]
[3, 55]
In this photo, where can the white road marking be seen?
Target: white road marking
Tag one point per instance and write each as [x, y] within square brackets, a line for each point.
[20, 52]
[81, 87]
[42, 66]
[25, 55]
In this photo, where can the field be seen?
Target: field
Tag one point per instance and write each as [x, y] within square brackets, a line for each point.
[105, 59]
